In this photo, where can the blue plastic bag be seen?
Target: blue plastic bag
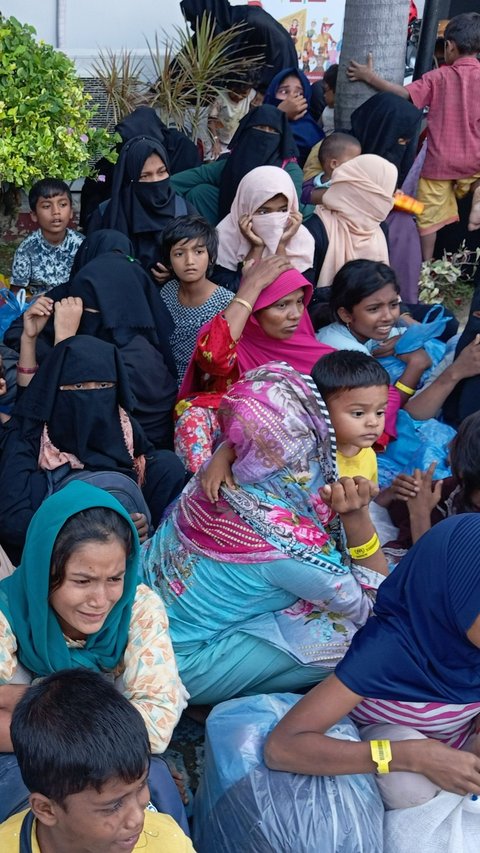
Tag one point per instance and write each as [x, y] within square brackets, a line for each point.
[418, 334]
[418, 444]
[243, 807]
[11, 307]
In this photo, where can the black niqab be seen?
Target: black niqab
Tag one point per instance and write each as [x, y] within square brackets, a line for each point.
[251, 148]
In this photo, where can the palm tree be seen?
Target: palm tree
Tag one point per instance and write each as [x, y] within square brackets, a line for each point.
[370, 26]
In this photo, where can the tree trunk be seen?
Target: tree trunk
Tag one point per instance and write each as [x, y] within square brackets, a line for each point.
[379, 27]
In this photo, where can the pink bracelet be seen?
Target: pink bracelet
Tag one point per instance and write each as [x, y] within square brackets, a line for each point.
[27, 370]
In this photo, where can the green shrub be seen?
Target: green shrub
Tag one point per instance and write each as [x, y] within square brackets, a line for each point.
[44, 112]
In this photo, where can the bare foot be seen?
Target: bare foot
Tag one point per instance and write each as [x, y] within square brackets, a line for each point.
[474, 218]
[68, 313]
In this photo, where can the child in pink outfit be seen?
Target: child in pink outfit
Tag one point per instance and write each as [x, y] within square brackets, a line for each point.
[452, 163]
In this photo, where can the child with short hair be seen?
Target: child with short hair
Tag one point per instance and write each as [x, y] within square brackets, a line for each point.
[452, 163]
[354, 387]
[189, 250]
[45, 258]
[329, 81]
[333, 151]
[84, 755]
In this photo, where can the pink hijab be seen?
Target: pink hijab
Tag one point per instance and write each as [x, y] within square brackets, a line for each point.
[359, 199]
[256, 188]
[255, 348]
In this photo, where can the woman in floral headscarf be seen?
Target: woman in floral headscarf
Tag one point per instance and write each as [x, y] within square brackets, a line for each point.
[259, 596]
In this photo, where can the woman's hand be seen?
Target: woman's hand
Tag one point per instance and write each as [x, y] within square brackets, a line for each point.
[295, 107]
[217, 471]
[451, 769]
[468, 362]
[36, 316]
[160, 273]
[141, 523]
[260, 274]
[349, 494]
[246, 228]
[68, 313]
[294, 221]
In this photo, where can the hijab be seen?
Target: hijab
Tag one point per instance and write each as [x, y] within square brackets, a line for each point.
[415, 647]
[257, 187]
[83, 423]
[306, 131]
[359, 199]
[380, 122]
[251, 147]
[255, 347]
[41, 646]
[182, 153]
[140, 209]
[284, 444]
[99, 243]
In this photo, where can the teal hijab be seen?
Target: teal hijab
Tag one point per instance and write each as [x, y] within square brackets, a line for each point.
[41, 646]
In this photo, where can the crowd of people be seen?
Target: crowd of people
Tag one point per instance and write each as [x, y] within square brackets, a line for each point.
[196, 405]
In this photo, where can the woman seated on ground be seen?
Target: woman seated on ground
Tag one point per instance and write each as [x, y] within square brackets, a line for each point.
[388, 125]
[264, 220]
[143, 201]
[113, 299]
[75, 601]
[291, 93]
[263, 138]
[266, 320]
[74, 417]
[358, 201]
[231, 573]
[429, 604]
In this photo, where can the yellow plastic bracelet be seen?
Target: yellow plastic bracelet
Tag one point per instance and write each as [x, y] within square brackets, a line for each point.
[381, 754]
[360, 552]
[244, 303]
[404, 388]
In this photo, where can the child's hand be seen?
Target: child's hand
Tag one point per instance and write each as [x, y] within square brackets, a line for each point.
[246, 228]
[428, 494]
[386, 347]
[293, 224]
[68, 313]
[404, 487]
[35, 317]
[357, 71]
[160, 273]
[217, 471]
[349, 494]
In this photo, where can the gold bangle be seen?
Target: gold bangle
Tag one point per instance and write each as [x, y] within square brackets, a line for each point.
[405, 388]
[244, 303]
[381, 751]
[360, 552]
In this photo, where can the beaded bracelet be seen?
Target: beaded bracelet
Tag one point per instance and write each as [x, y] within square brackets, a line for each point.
[360, 552]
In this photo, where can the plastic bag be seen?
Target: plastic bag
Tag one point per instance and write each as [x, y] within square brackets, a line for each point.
[418, 444]
[11, 307]
[418, 334]
[243, 807]
[447, 824]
